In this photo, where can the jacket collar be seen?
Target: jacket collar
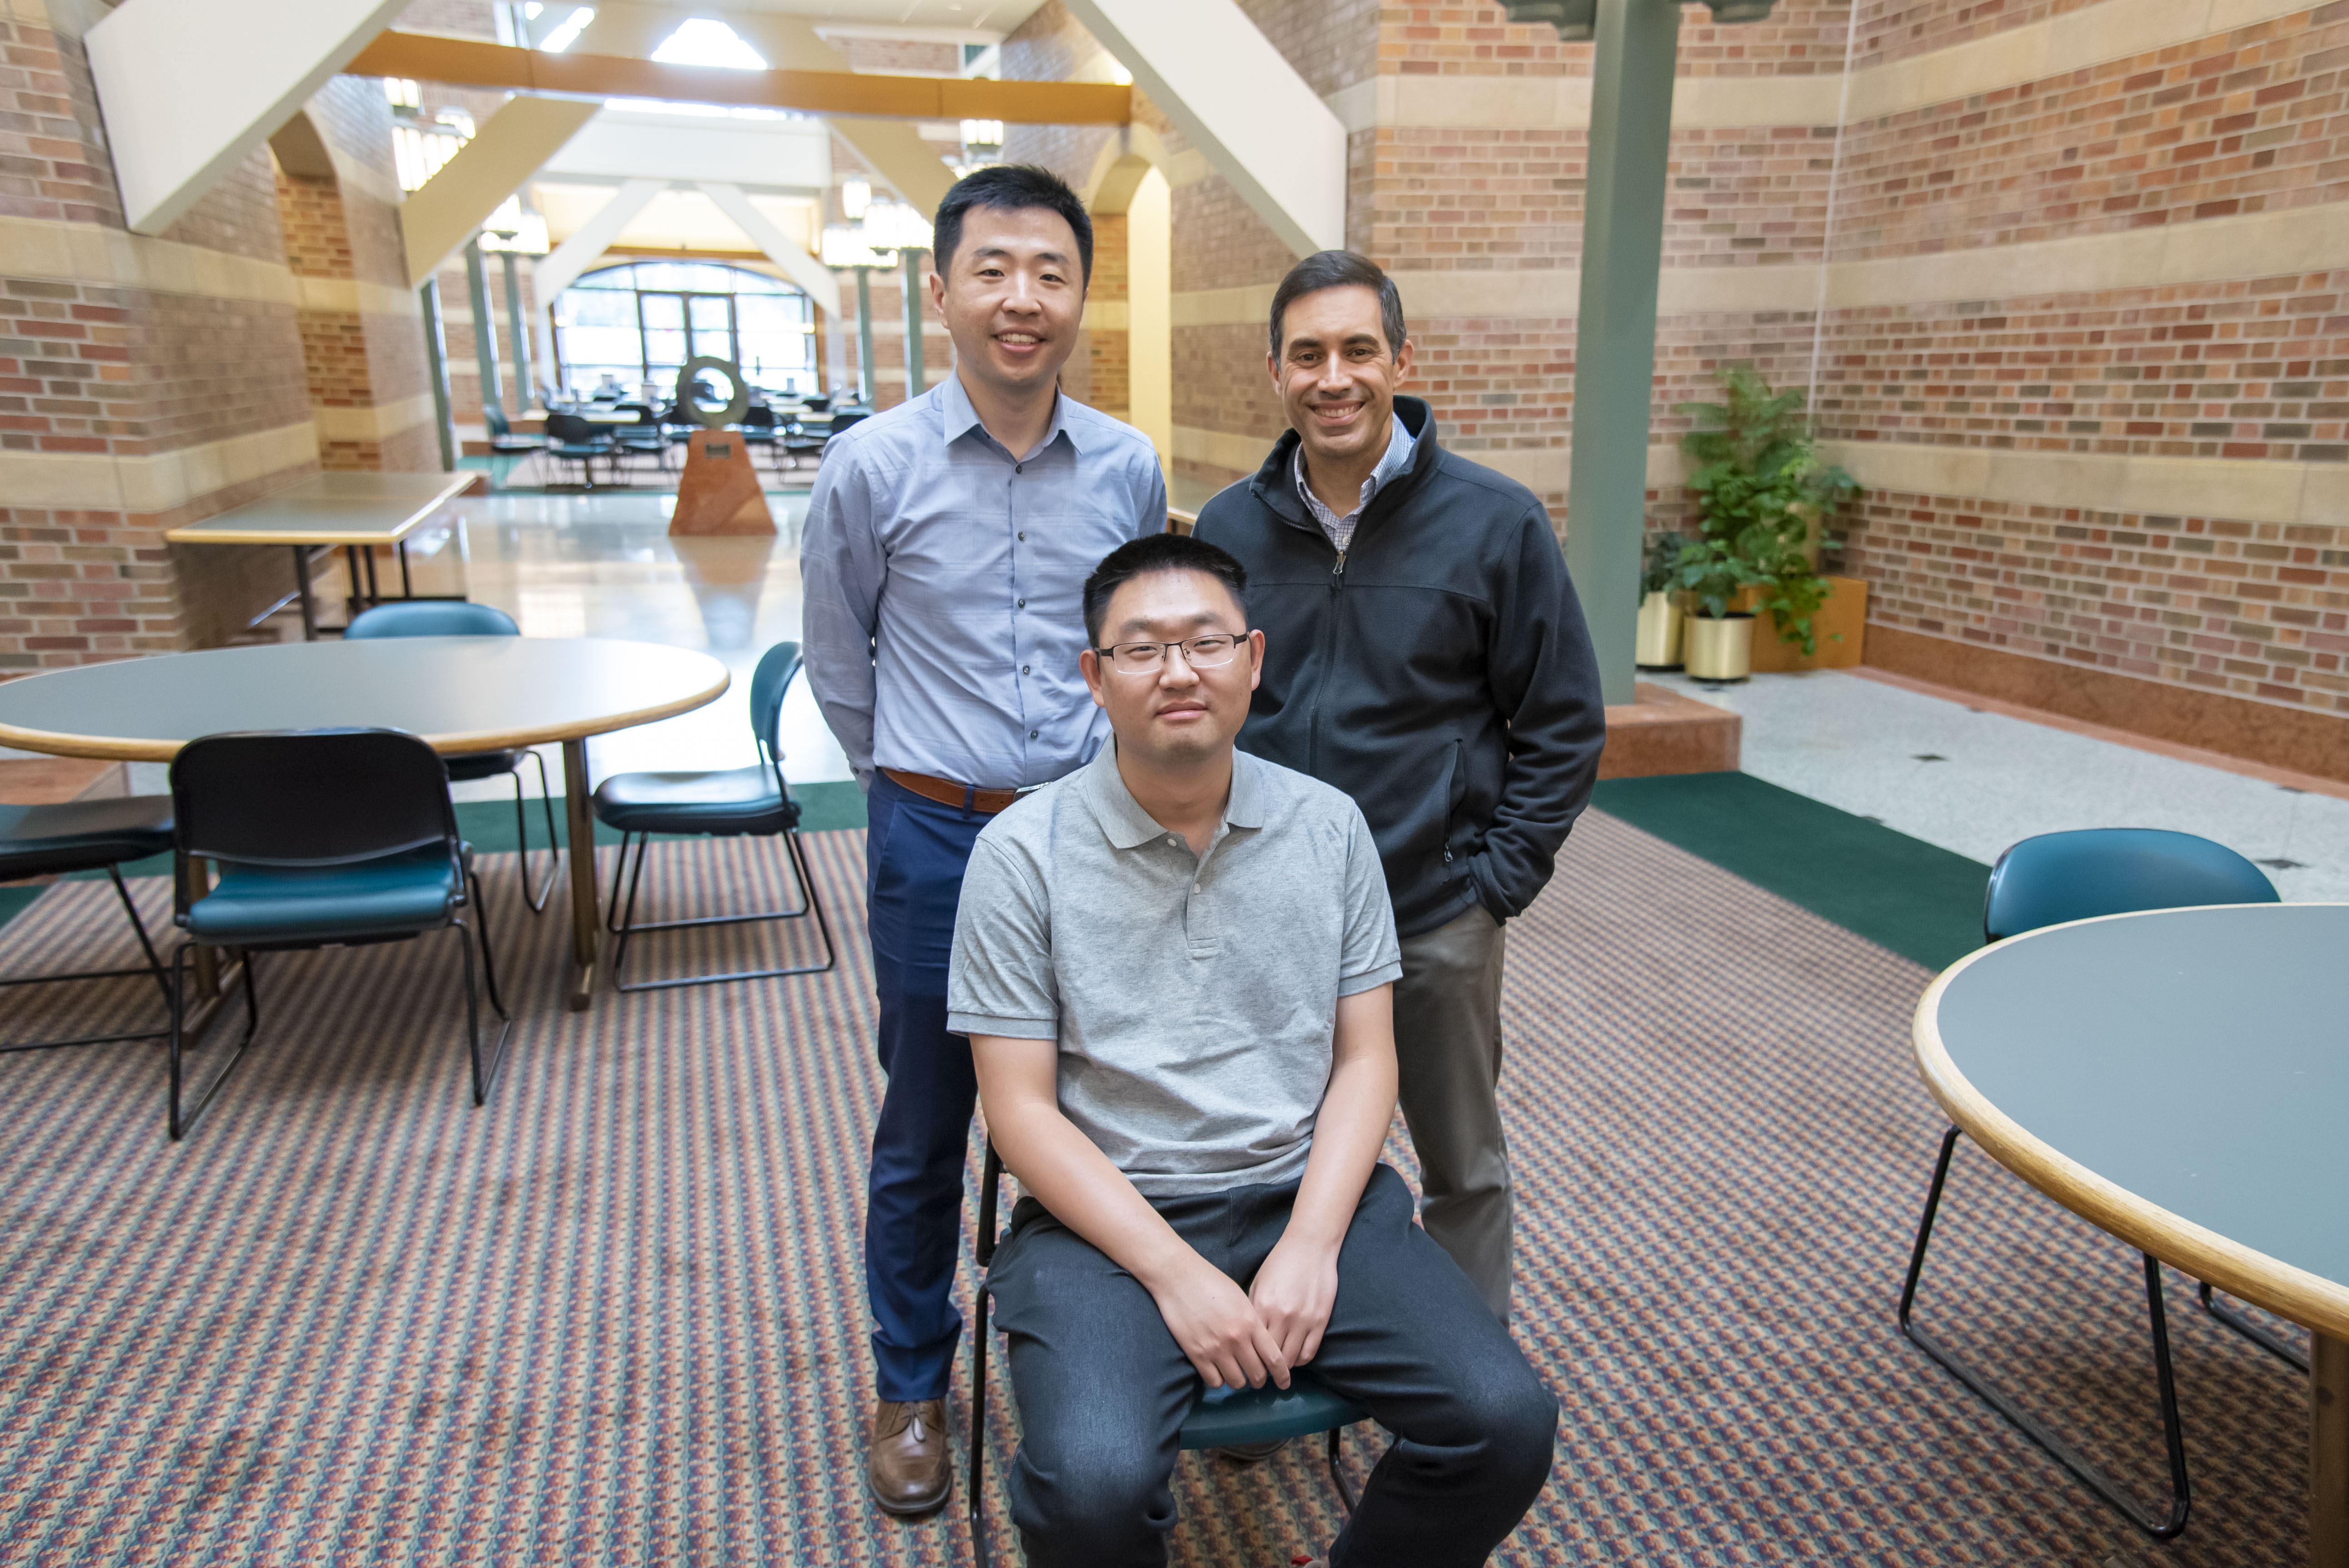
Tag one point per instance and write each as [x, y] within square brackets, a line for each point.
[1273, 489]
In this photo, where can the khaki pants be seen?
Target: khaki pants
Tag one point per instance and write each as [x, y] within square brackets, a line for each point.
[1447, 1023]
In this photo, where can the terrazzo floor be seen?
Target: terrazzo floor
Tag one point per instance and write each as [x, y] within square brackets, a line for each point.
[1973, 781]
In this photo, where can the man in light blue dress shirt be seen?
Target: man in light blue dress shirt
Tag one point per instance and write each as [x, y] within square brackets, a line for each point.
[944, 561]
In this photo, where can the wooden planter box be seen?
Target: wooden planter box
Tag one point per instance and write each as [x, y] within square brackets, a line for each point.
[1845, 613]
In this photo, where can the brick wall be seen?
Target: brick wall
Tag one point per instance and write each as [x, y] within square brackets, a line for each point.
[110, 379]
[1873, 260]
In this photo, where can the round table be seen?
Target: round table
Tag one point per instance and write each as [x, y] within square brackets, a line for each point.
[461, 694]
[2180, 1079]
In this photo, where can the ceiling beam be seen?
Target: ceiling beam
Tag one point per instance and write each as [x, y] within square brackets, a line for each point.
[894, 150]
[512, 145]
[190, 91]
[466, 62]
[1238, 100]
[813, 278]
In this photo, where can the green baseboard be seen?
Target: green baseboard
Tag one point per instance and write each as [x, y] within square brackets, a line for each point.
[1921, 902]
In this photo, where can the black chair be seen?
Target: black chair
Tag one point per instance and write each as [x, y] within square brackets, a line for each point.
[324, 838]
[504, 442]
[2047, 880]
[799, 442]
[572, 437]
[753, 800]
[87, 836]
[759, 430]
[644, 438]
[1220, 1418]
[453, 618]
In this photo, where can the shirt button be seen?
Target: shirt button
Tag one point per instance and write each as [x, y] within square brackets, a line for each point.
[1173, 839]
[1020, 467]
[1023, 669]
[1023, 535]
[1031, 735]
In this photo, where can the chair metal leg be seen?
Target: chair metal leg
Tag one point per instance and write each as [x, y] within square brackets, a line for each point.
[154, 967]
[624, 925]
[483, 1082]
[522, 835]
[2160, 1527]
[1337, 1476]
[181, 1122]
[978, 1431]
[2280, 1349]
[489, 954]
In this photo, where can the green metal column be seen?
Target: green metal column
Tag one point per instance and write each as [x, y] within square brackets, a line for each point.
[518, 337]
[485, 326]
[915, 383]
[1615, 326]
[436, 364]
[864, 336]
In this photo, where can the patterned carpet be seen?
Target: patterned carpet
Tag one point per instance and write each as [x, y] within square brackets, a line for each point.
[615, 1317]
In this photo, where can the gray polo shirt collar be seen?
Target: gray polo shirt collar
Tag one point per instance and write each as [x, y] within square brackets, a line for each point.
[960, 419]
[1129, 827]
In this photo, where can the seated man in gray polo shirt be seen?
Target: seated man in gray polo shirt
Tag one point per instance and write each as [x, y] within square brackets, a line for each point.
[1175, 966]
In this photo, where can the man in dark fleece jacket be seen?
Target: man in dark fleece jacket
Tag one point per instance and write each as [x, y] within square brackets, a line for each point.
[1424, 652]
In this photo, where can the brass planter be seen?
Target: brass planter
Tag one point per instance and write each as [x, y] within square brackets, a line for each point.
[1657, 647]
[1719, 650]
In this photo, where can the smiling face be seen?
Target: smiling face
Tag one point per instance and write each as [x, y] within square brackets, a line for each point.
[1011, 299]
[1176, 716]
[1335, 374]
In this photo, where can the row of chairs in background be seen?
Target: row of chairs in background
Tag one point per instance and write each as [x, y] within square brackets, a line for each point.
[656, 434]
[349, 838]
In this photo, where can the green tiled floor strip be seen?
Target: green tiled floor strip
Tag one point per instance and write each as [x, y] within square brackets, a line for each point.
[1920, 901]
[1898, 892]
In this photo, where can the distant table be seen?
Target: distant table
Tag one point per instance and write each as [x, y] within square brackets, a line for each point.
[355, 511]
[2180, 1079]
[461, 694]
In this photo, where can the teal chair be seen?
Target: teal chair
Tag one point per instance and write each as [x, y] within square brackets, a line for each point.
[86, 836]
[2048, 880]
[1220, 1418]
[752, 802]
[323, 837]
[457, 618]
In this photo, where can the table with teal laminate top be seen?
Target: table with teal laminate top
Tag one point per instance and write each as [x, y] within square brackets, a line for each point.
[461, 694]
[2179, 1078]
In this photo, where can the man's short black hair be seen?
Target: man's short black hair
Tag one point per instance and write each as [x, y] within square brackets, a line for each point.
[1159, 552]
[1339, 270]
[1012, 186]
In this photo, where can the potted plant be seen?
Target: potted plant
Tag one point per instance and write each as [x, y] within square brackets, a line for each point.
[1659, 643]
[1765, 497]
[1718, 638]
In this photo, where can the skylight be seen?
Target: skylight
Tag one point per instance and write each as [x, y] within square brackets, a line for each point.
[704, 41]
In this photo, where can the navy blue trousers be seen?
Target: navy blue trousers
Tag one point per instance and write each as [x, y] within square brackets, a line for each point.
[915, 852]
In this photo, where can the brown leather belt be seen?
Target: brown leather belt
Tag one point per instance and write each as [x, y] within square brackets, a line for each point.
[946, 792]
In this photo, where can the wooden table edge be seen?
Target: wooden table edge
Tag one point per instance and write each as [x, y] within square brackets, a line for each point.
[56, 743]
[2310, 1300]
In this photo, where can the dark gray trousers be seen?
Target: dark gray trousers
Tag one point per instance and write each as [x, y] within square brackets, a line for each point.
[1103, 1388]
[1447, 1028]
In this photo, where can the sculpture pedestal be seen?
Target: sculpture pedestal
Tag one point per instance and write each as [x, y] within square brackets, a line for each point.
[720, 493]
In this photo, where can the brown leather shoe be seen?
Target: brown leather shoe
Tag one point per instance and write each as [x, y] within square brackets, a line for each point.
[907, 1466]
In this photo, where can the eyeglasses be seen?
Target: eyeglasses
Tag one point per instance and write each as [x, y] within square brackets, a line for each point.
[1148, 658]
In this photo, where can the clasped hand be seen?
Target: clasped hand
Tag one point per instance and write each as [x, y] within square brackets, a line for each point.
[1236, 1337]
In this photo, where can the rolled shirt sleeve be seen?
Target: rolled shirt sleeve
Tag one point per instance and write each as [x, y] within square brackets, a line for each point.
[1372, 956]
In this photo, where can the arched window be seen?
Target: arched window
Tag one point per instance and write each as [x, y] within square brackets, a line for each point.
[641, 321]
